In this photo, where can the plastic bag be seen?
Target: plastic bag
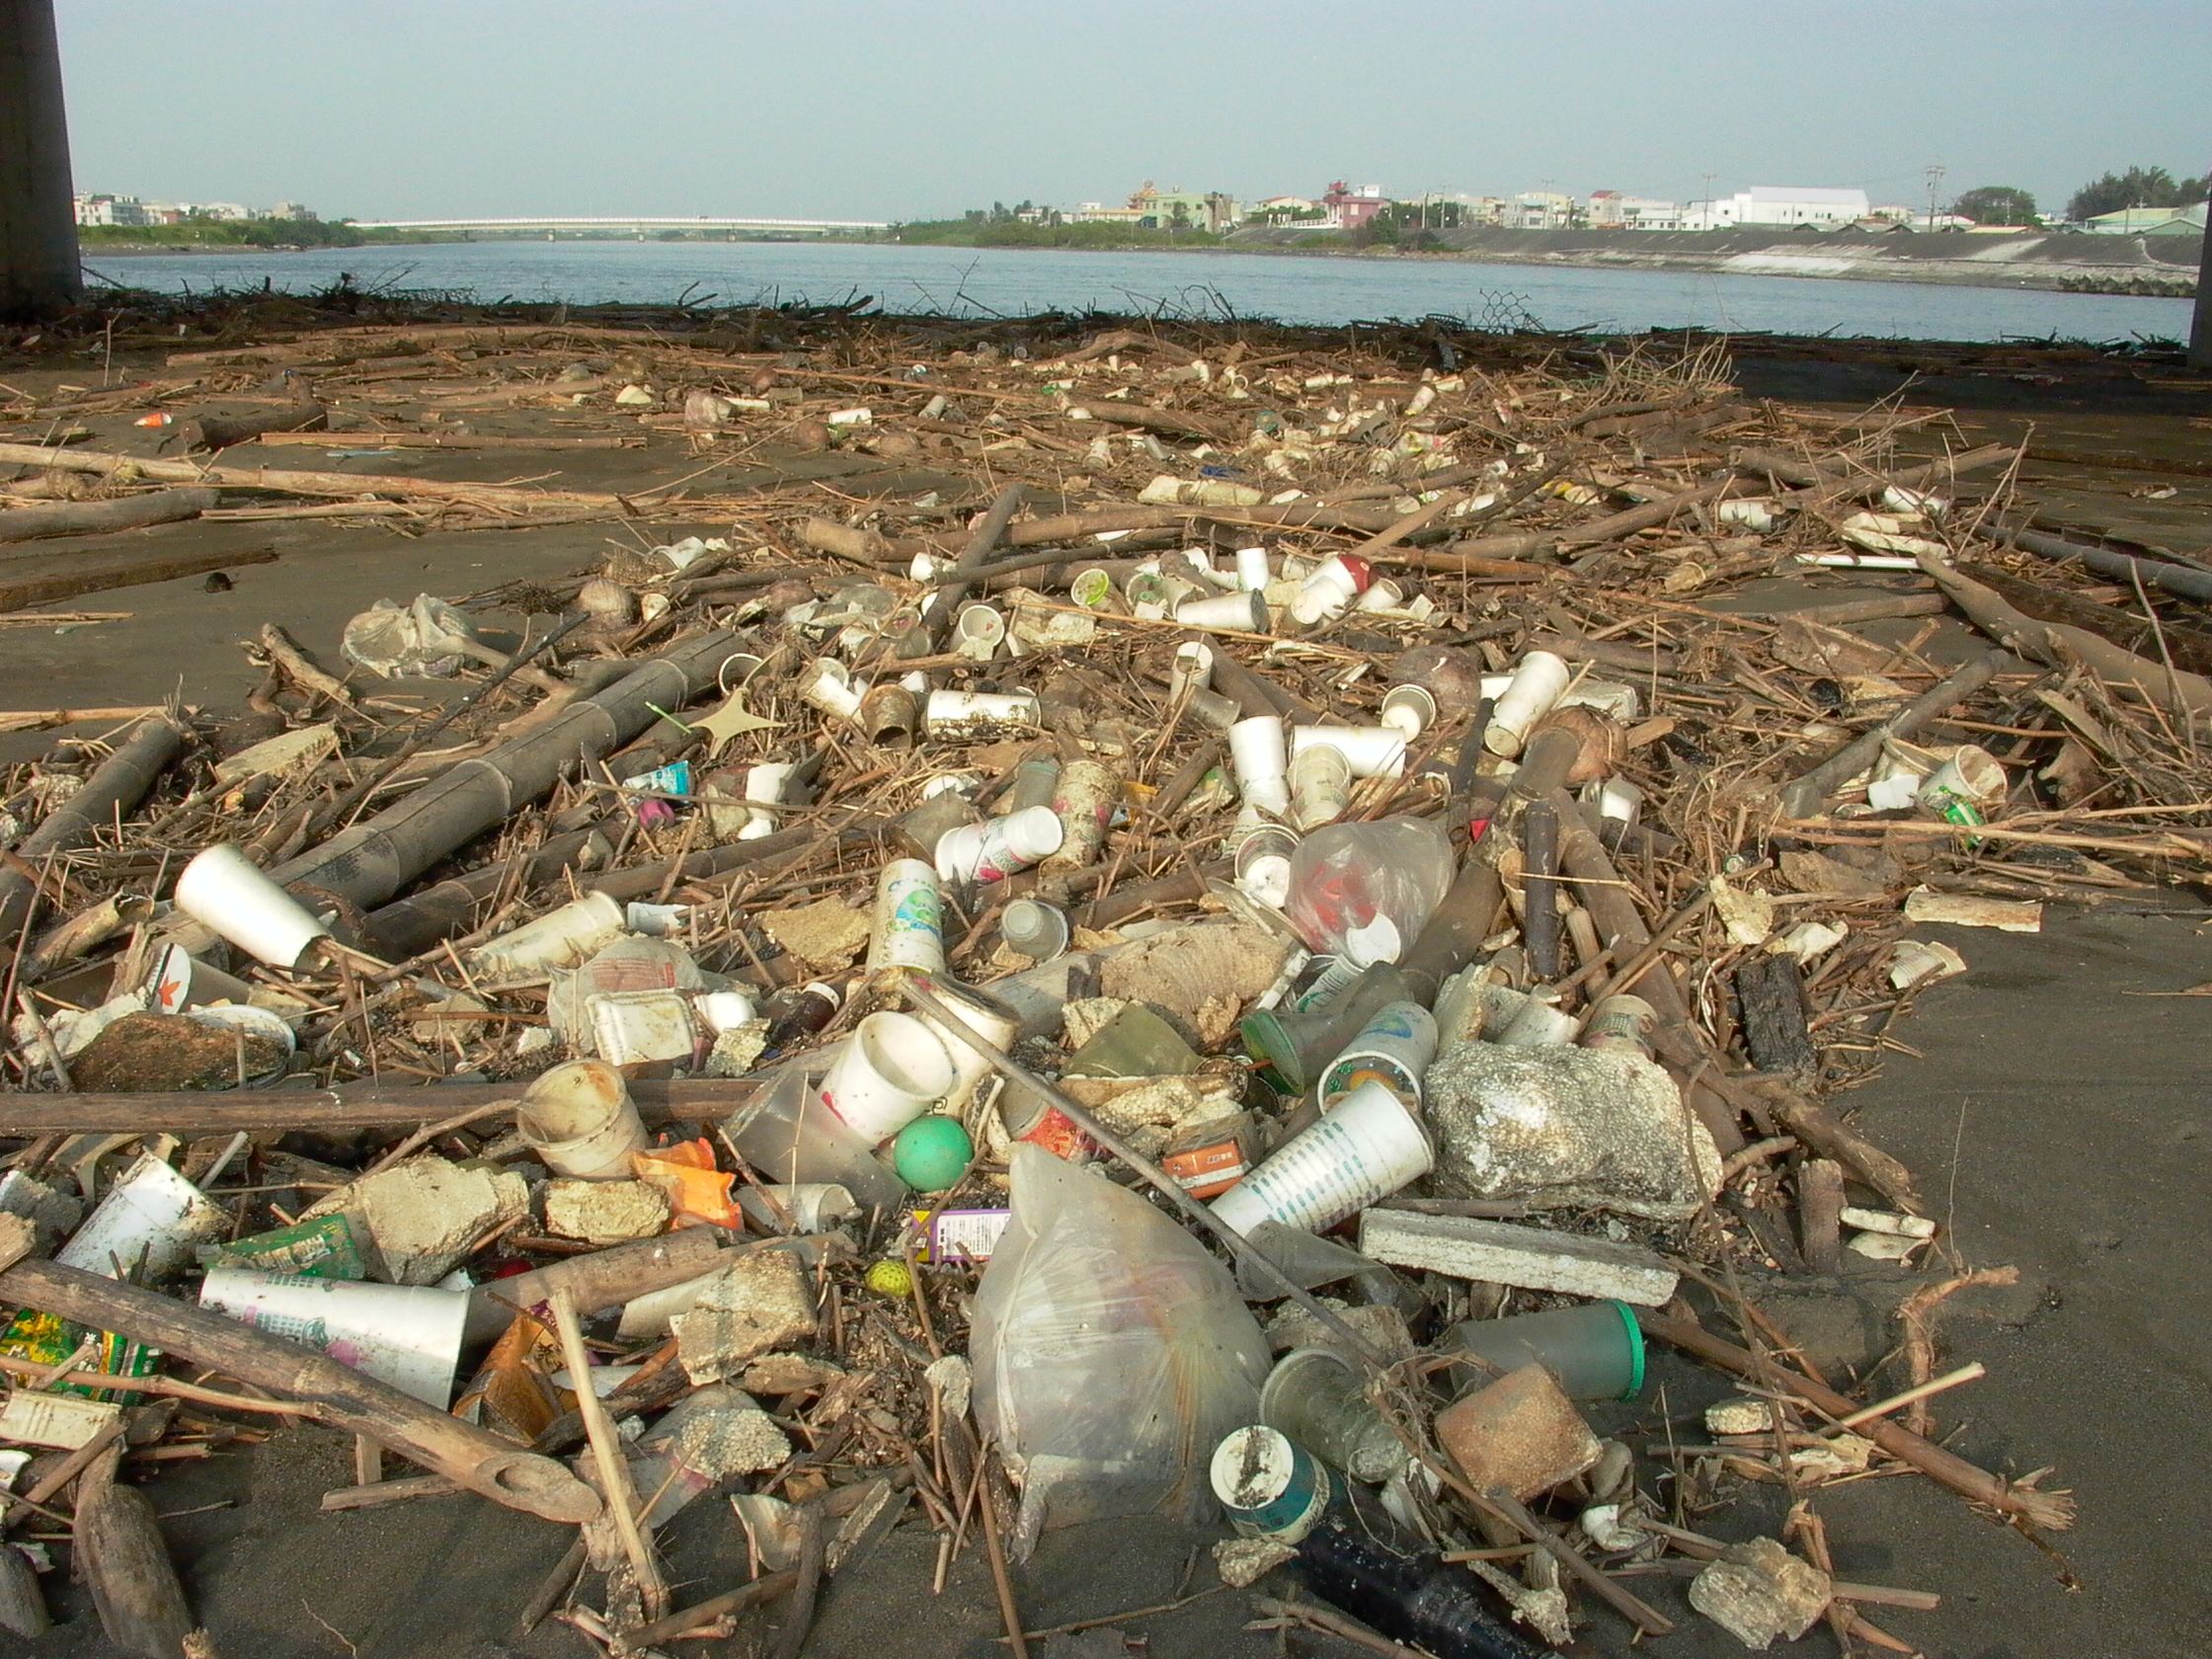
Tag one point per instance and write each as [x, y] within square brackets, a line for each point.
[1112, 1352]
[428, 638]
[1364, 891]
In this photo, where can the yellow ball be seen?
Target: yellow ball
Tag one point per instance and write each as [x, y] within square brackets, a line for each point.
[890, 1278]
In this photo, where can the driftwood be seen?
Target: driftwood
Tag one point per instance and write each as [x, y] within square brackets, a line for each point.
[126, 1566]
[92, 517]
[1771, 996]
[118, 784]
[222, 432]
[343, 1398]
[1805, 796]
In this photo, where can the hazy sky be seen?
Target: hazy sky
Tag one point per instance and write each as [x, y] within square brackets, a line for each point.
[873, 109]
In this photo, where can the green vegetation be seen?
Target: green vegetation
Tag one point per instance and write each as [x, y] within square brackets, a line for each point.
[238, 233]
[1997, 204]
[2138, 187]
[1003, 227]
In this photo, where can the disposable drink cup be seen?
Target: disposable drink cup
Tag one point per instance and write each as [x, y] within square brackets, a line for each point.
[1192, 669]
[223, 892]
[1240, 612]
[565, 937]
[1263, 864]
[1531, 695]
[1964, 788]
[1320, 786]
[1621, 1023]
[1615, 798]
[1408, 709]
[1393, 1049]
[1370, 751]
[1268, 1487]
[979, 633]
[1384, 595]
[1594, 1352]
[1318, 1403]
[1037, 930]
[892, 1070]
[406, 1335]
[908, 927]
[581, 1121]
[830, 687]
[808, 1207]
[1365, 1148]
[766, 784]
[154, 1215]
[1251, 570]
[723, 1010]
[989, 1019]
[1257, 751]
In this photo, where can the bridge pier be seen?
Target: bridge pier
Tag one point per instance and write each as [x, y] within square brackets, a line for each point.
[38, 272]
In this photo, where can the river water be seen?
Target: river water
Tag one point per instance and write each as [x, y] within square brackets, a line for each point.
[986, 282]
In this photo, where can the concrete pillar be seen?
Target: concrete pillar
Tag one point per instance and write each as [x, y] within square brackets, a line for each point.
[38, 272]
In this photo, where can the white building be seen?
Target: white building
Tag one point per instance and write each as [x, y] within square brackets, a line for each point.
[1611, 210]
[1784, 206]
[1538, 211]
[111, 210]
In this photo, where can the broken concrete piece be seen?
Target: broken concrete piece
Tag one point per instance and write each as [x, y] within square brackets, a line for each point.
[1520, 1435]
[788, 1374]
[1243, 1561]
[606, 1212]
[1759, 1591]
[756, 1303]
[426, 1215]
[726, 1438]
[1742, 1417]
[1153, 1113]
[1567, 1127]
[142, 1053]
[826, 935]
[1529, 1258]
[52, 1215]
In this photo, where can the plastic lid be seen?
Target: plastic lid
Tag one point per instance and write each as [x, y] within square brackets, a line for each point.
[1267, 1040]
[1635, 1350]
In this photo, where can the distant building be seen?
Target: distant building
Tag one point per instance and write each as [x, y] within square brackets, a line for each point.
[1153, 208]
[1285, 210]
[1351, 209]
[111, 210]
[1789, 206]
[291, 211]
[2149, 221]
[1539, 211]
[1611, 210]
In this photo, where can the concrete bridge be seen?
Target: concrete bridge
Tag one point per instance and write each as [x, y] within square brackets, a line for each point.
[642, 226]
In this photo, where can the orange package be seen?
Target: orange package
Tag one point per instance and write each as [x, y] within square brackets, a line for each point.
[696, 1190]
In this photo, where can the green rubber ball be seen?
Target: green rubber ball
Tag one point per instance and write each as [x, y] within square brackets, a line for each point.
[932, 1153]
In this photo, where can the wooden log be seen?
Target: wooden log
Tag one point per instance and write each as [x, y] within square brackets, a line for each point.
[47, 578]
[115, 786]
[1771, 1000]
[344, 1400]
[1805, 795]
[1173, 421]
[23, 1609]
[1820, 1209]
[95, 517]
[444, 440]
[222, 432]
[127, 1566]
[366, 1104]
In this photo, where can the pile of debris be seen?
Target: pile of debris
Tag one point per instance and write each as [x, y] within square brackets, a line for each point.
[1248, 975]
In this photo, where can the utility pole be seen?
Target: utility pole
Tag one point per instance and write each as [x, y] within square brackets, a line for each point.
[2200, 331]
[38, 272]
[1709, 224]
[1935, 172]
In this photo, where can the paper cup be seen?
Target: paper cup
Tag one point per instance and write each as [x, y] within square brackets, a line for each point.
[580, 1120]
[1966, 787]
[1393, 1049]
[989, 1019]
[830, 687]
[179, 980]
[1320, 786]
[152, 1213]
[1531, 695]
[1240, 612]
[979, 633]
[1365, 1148]
[1035, 929]
[1409, 710]
[1370, 751]
[223, 892]
[1268, 1487]
[1251, 570]
[1257, 751]
[996, 848]
[892, 1070]
[1263, 865]
[811, 1207]
[406, 1335]
[908, 927]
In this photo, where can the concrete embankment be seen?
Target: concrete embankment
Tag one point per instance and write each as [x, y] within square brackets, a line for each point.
[2134, 265]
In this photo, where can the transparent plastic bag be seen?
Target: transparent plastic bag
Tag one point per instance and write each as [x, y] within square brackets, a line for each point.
[1112, 1352]
[428, 638]
[1364, 891]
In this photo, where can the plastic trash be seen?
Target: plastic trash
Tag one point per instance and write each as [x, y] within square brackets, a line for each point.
[1594, 1352]
[1112, 1352]
[428, 637]
[1364, 891]
[789, 1134]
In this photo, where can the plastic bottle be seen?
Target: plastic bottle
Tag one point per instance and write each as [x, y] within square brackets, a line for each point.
[992, 850]
[1360, 1559]
[799, 1012]
[1297, 1046]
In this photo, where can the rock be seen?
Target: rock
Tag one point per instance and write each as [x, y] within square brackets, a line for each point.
[52, 1215]
[1243, 1561]
[1759, 1591]
[1742, 1417]
[426, 1215]
[1520, 1434]
[827, 934]
[1529, 1258]
[1814, 872]
[788, 1374]
[1567, 1128]
[756, 1303]
[606, 1212]
[724, 1438]
[160, 1052]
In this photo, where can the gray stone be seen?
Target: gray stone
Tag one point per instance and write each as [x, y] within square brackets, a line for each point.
[426, 1215]
[1567, 1128]
[606, 1212]
[1530, 1258]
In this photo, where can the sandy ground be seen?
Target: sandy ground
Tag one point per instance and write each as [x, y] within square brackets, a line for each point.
[2055, 1114]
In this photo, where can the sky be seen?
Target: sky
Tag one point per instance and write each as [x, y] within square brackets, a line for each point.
[881, 110]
